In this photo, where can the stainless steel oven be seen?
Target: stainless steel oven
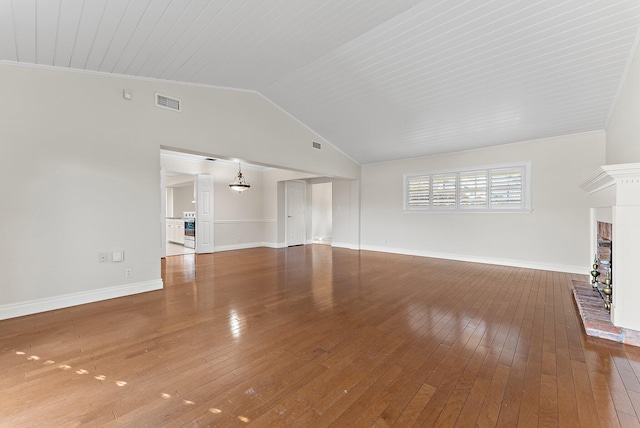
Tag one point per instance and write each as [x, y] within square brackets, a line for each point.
[190, 232]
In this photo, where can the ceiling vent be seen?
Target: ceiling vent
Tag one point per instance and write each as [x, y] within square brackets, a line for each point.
[316, 145]
[168, 102]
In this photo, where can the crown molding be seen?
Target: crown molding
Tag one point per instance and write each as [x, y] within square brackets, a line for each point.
[609, 175]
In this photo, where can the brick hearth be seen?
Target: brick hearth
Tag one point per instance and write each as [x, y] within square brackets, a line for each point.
[596, 319]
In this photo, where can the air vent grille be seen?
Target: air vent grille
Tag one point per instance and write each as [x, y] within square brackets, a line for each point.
[316, 145]
[168, 102]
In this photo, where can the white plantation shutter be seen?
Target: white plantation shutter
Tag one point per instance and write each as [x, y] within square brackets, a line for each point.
[503, 187]
[419, 191]
[506, 188]
[443, 187]
[473, 189]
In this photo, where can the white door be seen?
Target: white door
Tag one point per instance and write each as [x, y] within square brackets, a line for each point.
[296, 232]
[204, 214]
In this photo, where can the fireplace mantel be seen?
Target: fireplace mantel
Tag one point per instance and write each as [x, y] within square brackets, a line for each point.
[614, 194]
[610, 175]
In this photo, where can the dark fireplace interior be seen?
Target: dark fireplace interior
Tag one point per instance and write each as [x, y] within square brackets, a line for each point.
[604, 254]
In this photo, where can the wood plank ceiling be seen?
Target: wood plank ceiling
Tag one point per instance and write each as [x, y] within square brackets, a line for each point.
[381, 80]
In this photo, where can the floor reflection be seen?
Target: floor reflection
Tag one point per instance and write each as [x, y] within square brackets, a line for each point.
[299, 335]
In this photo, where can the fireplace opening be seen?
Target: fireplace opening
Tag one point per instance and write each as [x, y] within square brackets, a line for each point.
[604, 252]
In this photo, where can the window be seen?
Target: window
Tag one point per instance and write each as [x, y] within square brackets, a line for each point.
[473, 189]
[484, 189]
[443, 190]
[506, 187]
[419, 191]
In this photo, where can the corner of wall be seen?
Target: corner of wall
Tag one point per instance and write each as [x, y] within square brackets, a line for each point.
[623, 126]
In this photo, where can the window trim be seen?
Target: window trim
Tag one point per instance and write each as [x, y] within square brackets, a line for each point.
[524, 207]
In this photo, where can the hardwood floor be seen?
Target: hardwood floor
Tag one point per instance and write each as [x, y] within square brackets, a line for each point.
[315, 336]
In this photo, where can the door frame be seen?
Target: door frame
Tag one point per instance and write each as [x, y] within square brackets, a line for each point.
[163, 213]
[163, 206]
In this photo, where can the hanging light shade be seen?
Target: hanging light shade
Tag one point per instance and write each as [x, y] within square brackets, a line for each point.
[239, 184]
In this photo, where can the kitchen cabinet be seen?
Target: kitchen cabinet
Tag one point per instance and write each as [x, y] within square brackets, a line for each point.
[175, 230]
[170, 234]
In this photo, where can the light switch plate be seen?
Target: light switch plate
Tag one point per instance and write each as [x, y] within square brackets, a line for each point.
[117, 256]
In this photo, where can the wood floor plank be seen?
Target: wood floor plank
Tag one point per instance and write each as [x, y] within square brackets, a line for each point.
[529, 406]
[548, 415]
[475, 399]
[439, 399]
[513, 394]
[587, 413]
[361, 411]
[409, 382]
[416, 405]
[492, 405]
[567, 405]
[628, 421]
[321, 336]
[456, 401]
[601, 366]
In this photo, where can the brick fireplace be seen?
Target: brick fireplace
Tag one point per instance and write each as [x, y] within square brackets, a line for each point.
[614, 194]
[603, 254]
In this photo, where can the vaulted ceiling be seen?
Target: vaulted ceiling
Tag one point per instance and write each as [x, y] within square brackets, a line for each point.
[379, 79]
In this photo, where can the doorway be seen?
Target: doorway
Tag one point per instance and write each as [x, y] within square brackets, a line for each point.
[180, 206]
[308, 211]
[321, 212]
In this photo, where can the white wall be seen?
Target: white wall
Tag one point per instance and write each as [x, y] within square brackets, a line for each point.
[183, 198]
[346, 214]
[89, 183]
[321, 213]
[623, 131]
[168, 203]
[88, 165]
[238, 217]
[554, 236]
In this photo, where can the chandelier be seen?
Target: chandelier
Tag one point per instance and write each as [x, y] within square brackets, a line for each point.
[239, 184]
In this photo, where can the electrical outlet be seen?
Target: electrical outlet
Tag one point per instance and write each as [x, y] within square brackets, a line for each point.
[128, 272]
[102, 257]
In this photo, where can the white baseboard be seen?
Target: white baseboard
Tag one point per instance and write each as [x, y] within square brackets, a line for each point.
[475, 259]
[345, 245]
[250, 245]
[253, 245]
[239, 246]
[14, 310]
[274, 244]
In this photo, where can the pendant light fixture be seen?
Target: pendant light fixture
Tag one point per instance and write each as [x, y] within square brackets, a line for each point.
[239, 184]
